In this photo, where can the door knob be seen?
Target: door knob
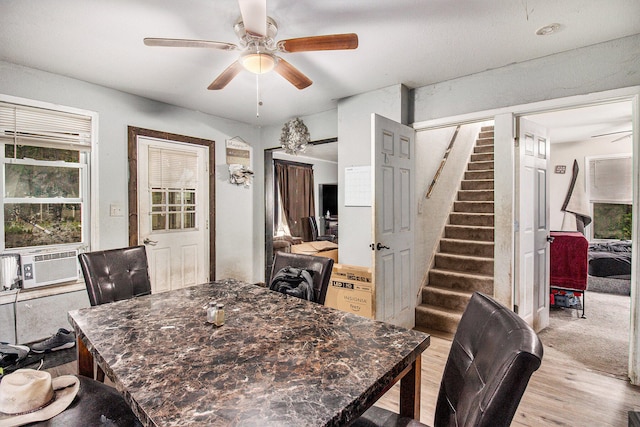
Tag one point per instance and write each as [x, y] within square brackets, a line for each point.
[148, 241]
[381, 246]
[550, 239]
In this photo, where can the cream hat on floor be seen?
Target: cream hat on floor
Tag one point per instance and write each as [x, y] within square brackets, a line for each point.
[27, 396]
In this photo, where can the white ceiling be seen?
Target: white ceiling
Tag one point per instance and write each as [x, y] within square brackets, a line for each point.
[414, 42]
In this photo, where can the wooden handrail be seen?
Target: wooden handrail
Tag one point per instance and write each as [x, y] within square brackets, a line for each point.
[444, 160]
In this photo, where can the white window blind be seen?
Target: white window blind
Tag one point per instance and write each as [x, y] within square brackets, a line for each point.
[25, 125]
[610, 180]
[172, 169]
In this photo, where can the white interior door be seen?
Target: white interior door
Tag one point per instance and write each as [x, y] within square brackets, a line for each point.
[393, 221]
[532, 247]
[173, 212]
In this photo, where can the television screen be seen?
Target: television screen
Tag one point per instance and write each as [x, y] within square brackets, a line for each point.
[329, 199]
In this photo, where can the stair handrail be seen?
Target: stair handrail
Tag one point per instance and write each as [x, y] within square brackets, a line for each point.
[444, 160]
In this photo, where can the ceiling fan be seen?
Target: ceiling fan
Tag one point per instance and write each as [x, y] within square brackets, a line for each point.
[627, 134]
[258, 49]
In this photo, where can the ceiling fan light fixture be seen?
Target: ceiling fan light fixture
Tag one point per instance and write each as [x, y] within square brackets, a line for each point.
[258, 62]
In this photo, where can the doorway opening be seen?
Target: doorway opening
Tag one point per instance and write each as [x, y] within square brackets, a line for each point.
[590, 174]
[323, 156]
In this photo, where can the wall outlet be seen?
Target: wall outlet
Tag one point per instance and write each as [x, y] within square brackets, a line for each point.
[115, 210]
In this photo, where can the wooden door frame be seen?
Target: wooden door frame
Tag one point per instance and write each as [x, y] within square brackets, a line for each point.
[132, 155]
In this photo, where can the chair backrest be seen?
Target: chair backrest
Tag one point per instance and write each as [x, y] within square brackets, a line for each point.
[309, 229]
[493, 354]
[115, 274]
[321, 267]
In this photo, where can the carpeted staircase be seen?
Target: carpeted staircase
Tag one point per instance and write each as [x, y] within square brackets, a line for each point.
[464, 262]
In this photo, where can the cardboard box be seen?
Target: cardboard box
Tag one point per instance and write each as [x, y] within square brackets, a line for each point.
[351, 289]
[318, 248]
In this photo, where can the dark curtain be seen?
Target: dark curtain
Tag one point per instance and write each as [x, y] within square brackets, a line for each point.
[295, 182]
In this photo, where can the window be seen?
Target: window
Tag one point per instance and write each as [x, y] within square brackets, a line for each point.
[611, 221]
[172, 189]
[45, 177]
[610, 193]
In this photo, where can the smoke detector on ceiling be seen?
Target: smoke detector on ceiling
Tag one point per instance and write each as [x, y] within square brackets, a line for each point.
[548, 29]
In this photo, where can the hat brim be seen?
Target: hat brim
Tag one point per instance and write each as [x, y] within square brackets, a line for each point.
[65, 388]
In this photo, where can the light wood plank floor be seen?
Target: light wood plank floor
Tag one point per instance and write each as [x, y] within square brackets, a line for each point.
[561, 393]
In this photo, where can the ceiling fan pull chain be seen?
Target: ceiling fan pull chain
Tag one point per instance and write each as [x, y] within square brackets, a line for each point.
[258, 95]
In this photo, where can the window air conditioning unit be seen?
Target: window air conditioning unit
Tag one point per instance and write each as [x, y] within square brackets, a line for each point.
[44, 269]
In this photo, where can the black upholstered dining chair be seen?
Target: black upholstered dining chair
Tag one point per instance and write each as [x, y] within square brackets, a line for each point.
[115, 274]
[493, 355]
[96, 404]
[320, 267]
[310, 231]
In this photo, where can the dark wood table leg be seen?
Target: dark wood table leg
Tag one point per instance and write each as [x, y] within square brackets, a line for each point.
[85, 360]
[410, 391]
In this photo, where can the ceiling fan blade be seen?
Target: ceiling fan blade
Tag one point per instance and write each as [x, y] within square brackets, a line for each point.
[620, 138]
[226, 76]
[151, 41]
[254, 16]
[611, 133]
[328, 42]
[292, 74]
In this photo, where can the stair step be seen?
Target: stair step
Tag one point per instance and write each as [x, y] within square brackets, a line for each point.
[437, 318]
[485, 140]
[475, 195]
[473, 207]
[484, 165]
[460, 281]
[448, 298]
[478, 149]
[467, 247]
[464, 263]
[477, 184]
[479, 175]
[484, 234]
[482, 157]
[469, 218]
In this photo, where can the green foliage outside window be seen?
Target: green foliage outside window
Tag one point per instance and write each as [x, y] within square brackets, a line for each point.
[612, 221]
[28, 219]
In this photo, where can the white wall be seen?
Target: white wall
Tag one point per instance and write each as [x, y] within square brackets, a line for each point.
[117, 110]
[354, 149]
[610, 65]
[564, 154]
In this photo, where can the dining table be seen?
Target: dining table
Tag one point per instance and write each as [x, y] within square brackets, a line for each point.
[277, 360]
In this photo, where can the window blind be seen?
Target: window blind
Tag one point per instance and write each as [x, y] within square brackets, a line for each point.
[172, 169]
[25, 125]
[610, 180]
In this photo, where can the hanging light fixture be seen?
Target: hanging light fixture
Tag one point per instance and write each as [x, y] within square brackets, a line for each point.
[258, 62]
[295, 136]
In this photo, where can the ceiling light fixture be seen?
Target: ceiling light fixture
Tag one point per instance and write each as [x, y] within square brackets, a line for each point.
[258, 62]
[548, 29]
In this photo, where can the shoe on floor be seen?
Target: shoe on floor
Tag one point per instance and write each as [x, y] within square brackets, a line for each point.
[10, 354]
[61, 340]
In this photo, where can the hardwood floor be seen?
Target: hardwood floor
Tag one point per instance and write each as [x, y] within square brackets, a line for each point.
[561, 393]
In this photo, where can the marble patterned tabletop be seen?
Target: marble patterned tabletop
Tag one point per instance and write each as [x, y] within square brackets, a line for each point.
[277, 360]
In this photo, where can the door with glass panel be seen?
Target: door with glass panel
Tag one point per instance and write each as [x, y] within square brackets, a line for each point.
[173, 212]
